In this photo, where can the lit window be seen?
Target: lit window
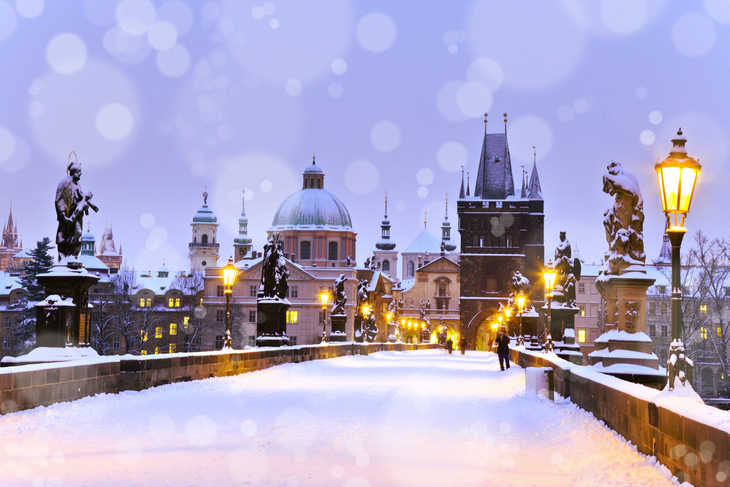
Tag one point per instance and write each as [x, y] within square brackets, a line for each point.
[172, 348]
[158, 332]
[157, 350]
[186, 320]
[581, 336]
[173, 303]
[719, 332]
[145, 302]
[703, 309]
[143, 352]
[292, 316]
[582, 308]
[703, 333]
[143, 335]
[582, 287]
[173, 328]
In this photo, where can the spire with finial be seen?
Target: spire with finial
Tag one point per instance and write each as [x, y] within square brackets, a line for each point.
[385, 243]
[534, 191]
[494, 176]
[467, 184]
[462, 194]
[446, 229]
[425, 219]
[242, 243]
[523, 194]
[485, 123]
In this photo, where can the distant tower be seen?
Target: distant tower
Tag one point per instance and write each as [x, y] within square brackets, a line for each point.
[385, 252]
[242, 244]
[10, 244]
[108, 252]
[446, 230]
[204, 248]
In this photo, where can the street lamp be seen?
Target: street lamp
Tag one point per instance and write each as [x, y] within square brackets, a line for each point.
[324, 296]
[549, 275]
[677, 176]
[520, 303]
[229, 276]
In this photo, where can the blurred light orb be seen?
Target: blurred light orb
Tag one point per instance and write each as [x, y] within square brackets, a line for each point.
[565, 113]
[162, 35]
[424, 176]
[641, 92]
[647, 137]
[147, 220]
[8, 20]
[556, 458]
[446, 101]
[125, 47]
[376, 32]
[335, 90]
[453, 49]
[249, 427]
[526, 132]
[266, 186]
[339, 66]
[422, 192]
[486, 71]
[452, 156]
[7, 144]
[533, 53]
[274, 23]
[114, 121]
[505, 427]
[693, 34]
[385, 136]
[30, 9]
[361, 176]
[178, 14]
[293, 87]
[719, 10]
[258, 12]
[655, 117]
[581, 106]
[66, 53]
[362, 459]
[173, 62]
[474, 99]
[135, 17]
[18, 158]
[624, 16]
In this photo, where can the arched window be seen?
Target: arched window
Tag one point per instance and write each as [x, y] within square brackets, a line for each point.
[332, 251]
[305, 182]
[319, 183]
[386, 265]
[410, 269]
[311, 182]
[204, 238]
[305, 250]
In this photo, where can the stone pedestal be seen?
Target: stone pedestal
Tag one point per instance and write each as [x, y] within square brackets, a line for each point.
[562, 329]
[62, 319]
[624, 349]
[529, 331]
[338, 333]
[271, 322]
[391, 332]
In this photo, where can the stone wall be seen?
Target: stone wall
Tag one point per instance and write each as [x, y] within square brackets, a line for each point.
[688, 438]
[29, 386]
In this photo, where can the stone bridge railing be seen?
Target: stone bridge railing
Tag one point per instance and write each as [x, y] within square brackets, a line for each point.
[29, 386]
[691, 439]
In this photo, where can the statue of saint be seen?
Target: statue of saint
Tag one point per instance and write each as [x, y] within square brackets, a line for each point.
[624, 222]
[362, 294]
[520, 285]
[274, 274]
[71, 206]
[568, 270]
[340, 296]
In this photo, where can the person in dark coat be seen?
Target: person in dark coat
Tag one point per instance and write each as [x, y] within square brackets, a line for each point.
[462, 345]
[503, 349]
[450, 345]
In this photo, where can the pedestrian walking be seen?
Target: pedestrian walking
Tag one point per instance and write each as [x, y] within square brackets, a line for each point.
[503, 349]
[450, 345]
[462, 345]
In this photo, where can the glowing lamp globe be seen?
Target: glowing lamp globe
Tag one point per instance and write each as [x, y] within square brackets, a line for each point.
[520, 301]
[324, 297]
[549, 275]
[677, 176]
[229, 273]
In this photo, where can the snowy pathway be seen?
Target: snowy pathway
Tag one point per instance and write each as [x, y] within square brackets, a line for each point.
[389, 419]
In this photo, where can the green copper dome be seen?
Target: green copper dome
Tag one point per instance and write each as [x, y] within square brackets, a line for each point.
[312, 207]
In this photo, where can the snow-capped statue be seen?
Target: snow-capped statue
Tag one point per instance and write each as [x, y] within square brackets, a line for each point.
[370, 329]
[362, 294]
[71, 206]
[624, 222]
[568, 272]
[520, 285]
[274, 274]
[340, 297]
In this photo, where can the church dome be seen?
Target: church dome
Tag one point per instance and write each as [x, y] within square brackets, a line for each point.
[312, 206]
[204, 214]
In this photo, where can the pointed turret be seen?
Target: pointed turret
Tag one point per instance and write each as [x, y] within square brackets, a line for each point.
[446, 229]
[665, 254]
[385, 243]
[523, 192]
[534, 192]
[242, 243]
[462, 194]
[467, 184]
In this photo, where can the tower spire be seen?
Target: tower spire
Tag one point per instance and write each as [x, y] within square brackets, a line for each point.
[462, 195]
[534, 191]
[467, 185]
[523, 194]
[446, 229]
[242, 243]
[385, 243]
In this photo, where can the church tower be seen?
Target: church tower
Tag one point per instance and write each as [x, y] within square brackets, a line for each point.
[449, 246]
[385, 252]
[500, 233]
[242, 244]
[107, 251]
[204, 249]
[10, 244]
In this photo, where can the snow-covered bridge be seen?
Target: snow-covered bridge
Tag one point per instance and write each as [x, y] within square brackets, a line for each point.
[421, 418]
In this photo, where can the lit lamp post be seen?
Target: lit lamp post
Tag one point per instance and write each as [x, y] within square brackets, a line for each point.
[229, 276]
[520, 305]
[324, 296]
[677, 176]
[549, 275]
[507, 314]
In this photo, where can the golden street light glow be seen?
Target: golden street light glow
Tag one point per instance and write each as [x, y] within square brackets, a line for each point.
[229, 273]
[549, 275]
[677, 176]
[324, 296]
[520, 301]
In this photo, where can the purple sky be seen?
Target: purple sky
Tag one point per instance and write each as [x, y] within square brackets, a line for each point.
[163, 99]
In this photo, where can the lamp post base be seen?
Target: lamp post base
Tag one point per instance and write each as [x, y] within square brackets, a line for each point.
[679, 367]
